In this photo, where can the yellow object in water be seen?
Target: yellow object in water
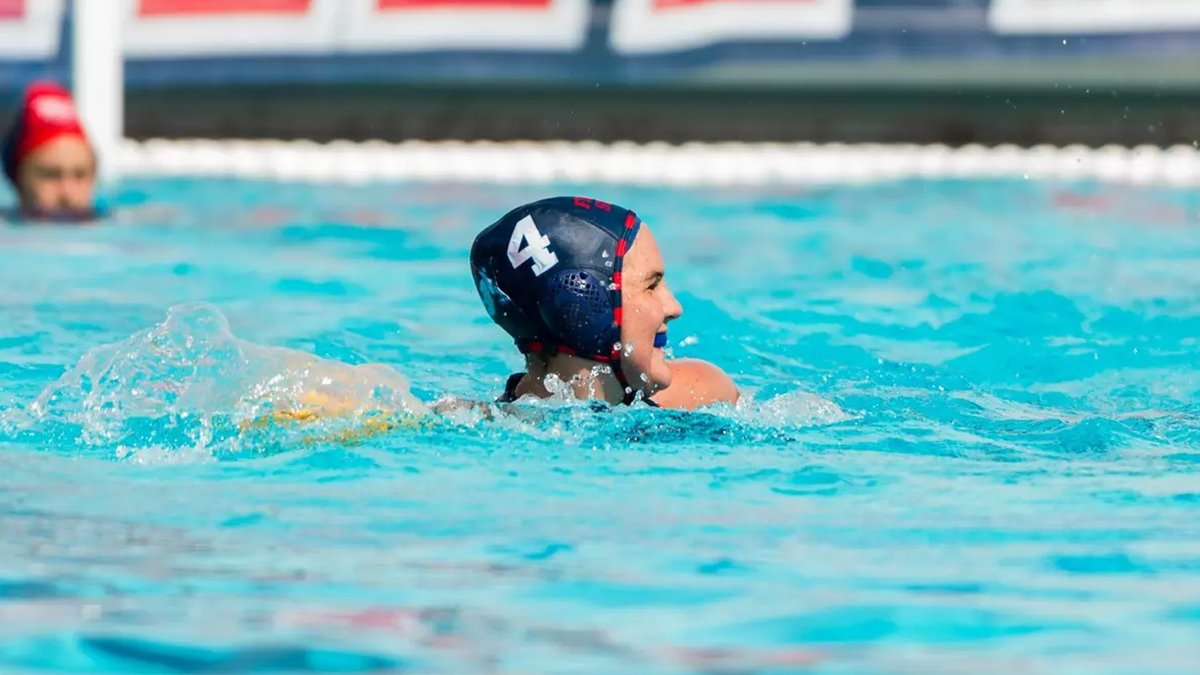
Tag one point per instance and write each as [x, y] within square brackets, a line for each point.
[365, 424]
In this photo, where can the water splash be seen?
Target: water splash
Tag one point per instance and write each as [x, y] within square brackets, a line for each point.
[797, 409]
[189, 381]
[187, 389]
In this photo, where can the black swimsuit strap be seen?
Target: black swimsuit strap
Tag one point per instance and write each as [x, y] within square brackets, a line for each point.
[510, 388]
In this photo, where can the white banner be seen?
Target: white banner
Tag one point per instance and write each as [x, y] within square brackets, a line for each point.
[1092, 16]
[504, 25]
[181, 28]
[648, 26]
[29, 29]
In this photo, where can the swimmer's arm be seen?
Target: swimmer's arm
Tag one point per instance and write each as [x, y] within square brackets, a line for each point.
[448, 406]
[695, 384]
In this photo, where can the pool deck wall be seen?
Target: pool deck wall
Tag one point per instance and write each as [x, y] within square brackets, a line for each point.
[916, 112]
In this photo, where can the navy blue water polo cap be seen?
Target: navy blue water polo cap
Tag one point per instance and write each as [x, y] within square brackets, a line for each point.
[549, 273]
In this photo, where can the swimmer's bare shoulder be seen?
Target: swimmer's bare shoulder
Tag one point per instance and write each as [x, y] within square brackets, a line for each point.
[695, 384]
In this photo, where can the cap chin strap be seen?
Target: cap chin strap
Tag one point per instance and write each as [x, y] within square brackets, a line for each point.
[612, 360]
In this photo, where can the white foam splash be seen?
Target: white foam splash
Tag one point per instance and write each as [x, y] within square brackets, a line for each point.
[560, 390]
[792, 409]
[190, 369]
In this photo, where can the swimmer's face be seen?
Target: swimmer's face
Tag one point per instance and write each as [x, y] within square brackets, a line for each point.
[648, 306]
[58, 178]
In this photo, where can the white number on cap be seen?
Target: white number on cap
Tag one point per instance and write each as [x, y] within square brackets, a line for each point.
[537, 247]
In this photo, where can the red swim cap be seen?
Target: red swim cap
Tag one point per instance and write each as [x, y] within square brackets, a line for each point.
[47, 113]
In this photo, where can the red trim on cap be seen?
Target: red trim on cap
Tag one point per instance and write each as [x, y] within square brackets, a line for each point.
[537, 347]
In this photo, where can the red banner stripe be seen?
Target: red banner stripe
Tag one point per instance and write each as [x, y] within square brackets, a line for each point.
[158, 8]
[390, 5]
[12, 9]
[671, 4]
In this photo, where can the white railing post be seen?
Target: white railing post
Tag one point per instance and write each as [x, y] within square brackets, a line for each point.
[98, 77]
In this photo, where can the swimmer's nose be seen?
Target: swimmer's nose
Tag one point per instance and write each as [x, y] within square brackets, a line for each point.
[674, 310]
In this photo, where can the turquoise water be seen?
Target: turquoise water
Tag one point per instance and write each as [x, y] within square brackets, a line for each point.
[971, 440]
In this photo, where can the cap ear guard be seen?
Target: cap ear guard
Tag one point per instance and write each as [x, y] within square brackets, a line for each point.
[576, 305]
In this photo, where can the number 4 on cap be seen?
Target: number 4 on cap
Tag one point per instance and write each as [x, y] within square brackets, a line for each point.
[537, 247]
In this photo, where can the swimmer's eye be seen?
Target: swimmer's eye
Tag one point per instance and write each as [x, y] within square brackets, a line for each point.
[655, 280]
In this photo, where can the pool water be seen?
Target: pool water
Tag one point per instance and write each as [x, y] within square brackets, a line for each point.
[970, 440]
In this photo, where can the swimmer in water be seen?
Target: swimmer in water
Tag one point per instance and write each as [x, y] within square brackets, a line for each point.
[48, 160]
[580, 286]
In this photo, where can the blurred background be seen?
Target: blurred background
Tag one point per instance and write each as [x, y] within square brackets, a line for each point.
[971, 435]
[953, 71]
